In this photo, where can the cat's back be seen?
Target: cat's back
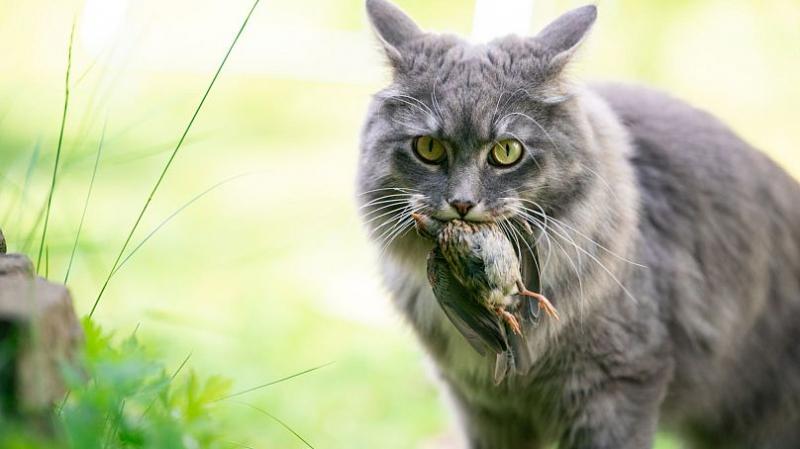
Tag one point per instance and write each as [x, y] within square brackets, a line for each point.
[721, 237]
[712, 208]
[667, 130]
[688, 162]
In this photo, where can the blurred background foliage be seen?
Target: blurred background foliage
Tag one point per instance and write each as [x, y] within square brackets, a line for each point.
[270, 273]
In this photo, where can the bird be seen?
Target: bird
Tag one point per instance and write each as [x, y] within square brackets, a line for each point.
[481, 258]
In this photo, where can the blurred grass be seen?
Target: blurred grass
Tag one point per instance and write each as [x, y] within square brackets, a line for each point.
[270, 274]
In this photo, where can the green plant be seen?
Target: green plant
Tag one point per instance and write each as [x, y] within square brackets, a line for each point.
[119, 395]
[131, 401]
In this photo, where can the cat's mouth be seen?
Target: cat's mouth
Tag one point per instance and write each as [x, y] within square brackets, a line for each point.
[500, 216]
[477, 214]
[480, 213]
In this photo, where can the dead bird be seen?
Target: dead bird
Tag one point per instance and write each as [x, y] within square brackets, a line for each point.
[482, 259]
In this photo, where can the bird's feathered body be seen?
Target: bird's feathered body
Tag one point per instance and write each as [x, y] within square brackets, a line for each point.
[475, 273]
[482, 259]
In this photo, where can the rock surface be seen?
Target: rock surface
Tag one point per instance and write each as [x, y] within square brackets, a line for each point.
[39, 332]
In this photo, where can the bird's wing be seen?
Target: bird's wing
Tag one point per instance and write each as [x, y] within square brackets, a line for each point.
[530, 266]
[482, 328]
[475, 269]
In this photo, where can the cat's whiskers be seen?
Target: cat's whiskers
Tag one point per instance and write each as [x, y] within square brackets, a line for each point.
[576, 268]
[375, 207]
[542, 213]
[601, 178]
[578, 276]
[497, 105]
[388, 235]
[405, 100]
[403, 225]
[544, 235]
[392, 220]
[396, 189]
[544, 229]
[517, 236]
[393, 208]
[528, 213]
[507, 103]
[415, 99]
[382, 198]
[555, 221]
[434, 101]
[410, 125]
[532, 120]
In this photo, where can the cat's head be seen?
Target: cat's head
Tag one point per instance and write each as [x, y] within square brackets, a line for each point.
[483, 132]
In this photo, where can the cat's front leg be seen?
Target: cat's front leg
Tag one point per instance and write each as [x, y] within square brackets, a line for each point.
[623, 415]
[489, 429]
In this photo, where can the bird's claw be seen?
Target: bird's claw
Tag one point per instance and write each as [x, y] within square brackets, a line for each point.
[544, 303]
[510, 319]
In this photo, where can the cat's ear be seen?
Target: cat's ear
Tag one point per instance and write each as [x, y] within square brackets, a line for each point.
[393, 27]
[564, 35]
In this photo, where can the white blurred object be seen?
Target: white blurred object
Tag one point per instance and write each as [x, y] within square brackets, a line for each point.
[495, 18]
[100, 22]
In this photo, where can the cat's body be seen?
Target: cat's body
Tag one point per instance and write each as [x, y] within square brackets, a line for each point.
[680, 308]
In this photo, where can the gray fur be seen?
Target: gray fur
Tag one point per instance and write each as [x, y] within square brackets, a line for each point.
[675, 261]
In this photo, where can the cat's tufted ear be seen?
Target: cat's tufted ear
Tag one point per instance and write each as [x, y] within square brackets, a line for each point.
[393, 27]
[564, 35]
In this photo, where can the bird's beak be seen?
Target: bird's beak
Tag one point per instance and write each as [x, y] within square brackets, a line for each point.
[426, 226]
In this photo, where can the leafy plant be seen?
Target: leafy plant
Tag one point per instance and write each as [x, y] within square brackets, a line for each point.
[122, 398]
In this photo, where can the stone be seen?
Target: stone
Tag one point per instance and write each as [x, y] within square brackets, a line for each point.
[39, 333]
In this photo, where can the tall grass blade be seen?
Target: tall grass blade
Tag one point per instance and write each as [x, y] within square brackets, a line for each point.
[277, 420]
[235, 444]
[86, 203]
[172, 215]
[171, 379]
[58, 148]
[47, 261]
[283, 379]
[170, 160]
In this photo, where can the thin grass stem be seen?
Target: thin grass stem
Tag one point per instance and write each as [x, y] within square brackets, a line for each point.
[172, 215]
[86, 203]
[277, 381]
[58, 148]
[277, 420]
[171, 159]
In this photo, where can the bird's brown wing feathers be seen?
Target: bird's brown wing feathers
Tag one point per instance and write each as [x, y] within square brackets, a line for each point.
[482, 328]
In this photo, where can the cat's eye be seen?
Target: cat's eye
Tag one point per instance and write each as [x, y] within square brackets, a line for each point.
[428, 149]
[505, 153]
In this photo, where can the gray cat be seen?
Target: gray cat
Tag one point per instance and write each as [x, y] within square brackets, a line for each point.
[669, 246]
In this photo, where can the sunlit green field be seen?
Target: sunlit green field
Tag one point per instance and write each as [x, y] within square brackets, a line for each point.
[270, 273]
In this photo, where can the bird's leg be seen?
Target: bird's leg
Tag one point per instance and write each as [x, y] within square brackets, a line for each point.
[510, 319]
[544, 303]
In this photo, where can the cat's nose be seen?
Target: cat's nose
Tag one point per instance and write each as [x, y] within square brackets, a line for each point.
[462, 206]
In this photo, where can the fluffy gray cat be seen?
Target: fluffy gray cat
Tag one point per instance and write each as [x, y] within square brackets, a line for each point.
[669, 246]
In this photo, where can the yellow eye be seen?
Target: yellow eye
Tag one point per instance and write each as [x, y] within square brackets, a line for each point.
[505, 153]
[428, 149]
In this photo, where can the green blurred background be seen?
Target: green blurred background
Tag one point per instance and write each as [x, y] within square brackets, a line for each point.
[270, 273]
